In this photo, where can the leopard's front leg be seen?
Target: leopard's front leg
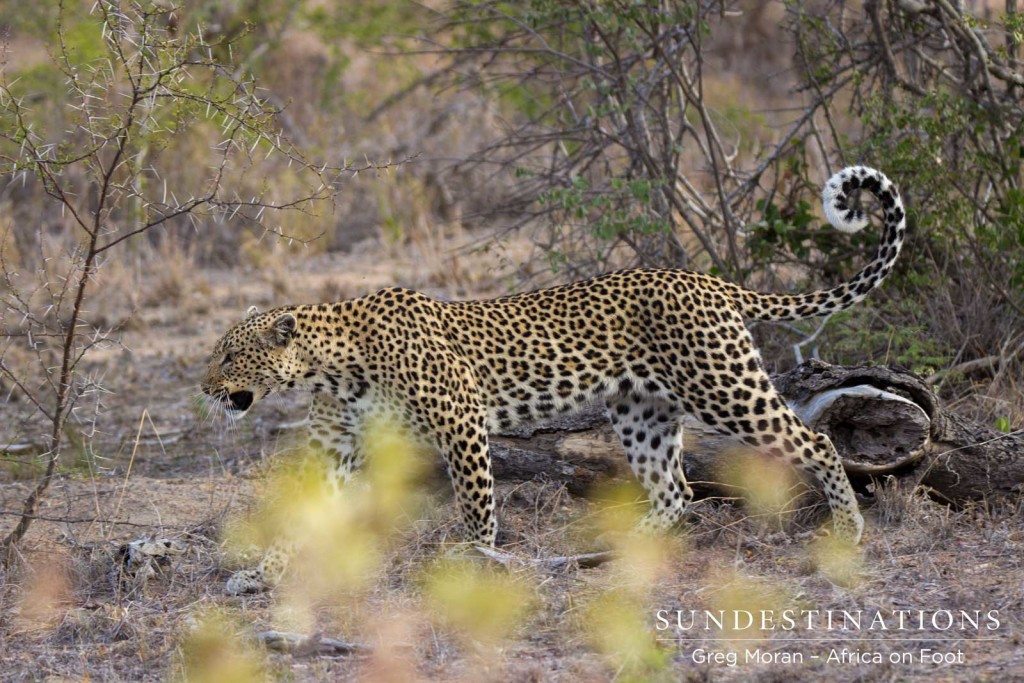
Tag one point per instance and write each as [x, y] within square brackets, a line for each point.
[463, 443]
[335, 452]
[268, 573]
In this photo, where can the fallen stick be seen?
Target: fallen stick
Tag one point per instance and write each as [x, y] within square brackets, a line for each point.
[316, 645]
[584, 561]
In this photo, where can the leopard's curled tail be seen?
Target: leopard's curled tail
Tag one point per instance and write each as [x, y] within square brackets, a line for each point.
[845, 216]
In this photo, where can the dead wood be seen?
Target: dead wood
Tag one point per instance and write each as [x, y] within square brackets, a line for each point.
[584, 561]
[968, 461]
[890, 421]
[309, 646]
[577, 473]
[878, 418]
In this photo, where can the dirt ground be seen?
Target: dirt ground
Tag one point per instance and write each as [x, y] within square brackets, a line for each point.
[158, 467]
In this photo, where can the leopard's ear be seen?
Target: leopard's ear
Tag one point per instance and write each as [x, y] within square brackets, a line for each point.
[280, 331]
[251, 312]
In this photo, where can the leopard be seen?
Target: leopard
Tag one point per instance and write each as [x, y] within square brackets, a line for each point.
[652, 344]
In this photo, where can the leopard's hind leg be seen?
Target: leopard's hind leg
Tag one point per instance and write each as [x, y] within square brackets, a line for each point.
[779, 433]
[738, 398]
[651, 431]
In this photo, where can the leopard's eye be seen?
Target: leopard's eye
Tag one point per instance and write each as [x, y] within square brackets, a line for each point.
[228, 357]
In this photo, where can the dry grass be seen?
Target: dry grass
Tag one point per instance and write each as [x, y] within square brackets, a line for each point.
[429, 613]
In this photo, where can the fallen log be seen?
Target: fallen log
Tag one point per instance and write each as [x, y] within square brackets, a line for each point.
[578, 473]
[888, 421]
[968, 461]
[881, 420]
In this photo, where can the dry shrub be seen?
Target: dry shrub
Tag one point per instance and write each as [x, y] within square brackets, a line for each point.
[771, 490]
[906, 512]
[838, 560]
[896, 502]
[615, 619]
[297, 75]
[171, 276]
[214, 649]
[340, 540]
[10, 253]
[484, 606]
[616, 625]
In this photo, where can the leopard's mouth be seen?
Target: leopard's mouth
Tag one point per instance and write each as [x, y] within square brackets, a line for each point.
[239, 401]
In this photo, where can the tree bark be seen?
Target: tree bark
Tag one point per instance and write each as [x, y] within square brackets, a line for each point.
[888, 421]
[881, 420]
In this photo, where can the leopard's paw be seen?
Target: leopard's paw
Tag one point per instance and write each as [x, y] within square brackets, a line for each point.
[246, 582]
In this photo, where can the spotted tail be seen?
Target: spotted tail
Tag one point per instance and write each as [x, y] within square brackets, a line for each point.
[847, 217]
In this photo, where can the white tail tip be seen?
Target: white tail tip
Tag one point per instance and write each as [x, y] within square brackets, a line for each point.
[839, 211]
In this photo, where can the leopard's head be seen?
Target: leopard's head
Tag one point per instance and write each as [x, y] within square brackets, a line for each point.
[254, 359]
